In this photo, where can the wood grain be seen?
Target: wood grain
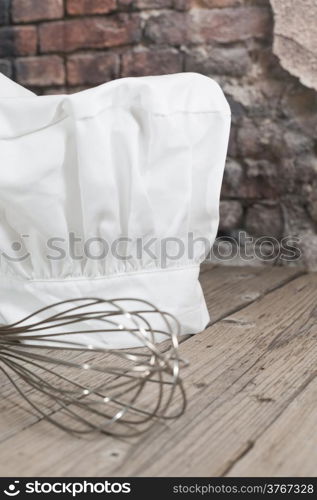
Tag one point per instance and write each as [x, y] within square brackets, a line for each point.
[228, 289]
[247, 373]
[289, 446]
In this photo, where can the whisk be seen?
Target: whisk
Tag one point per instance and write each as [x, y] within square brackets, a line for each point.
[86, 387]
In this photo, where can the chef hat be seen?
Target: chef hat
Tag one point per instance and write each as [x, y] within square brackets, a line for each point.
[112, 192]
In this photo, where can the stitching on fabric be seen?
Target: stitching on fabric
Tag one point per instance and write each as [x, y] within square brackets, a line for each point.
[153, 113]
[103, 277]
[40, 129]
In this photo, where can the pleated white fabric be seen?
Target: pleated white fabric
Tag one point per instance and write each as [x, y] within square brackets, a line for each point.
[103, 192]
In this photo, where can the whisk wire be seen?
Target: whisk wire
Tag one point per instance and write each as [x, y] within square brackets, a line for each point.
[85, 387]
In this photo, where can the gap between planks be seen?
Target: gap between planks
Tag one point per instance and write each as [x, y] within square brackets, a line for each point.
[227, 290]
[225, 281]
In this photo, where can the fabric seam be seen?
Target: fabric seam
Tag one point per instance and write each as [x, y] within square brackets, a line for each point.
[103, 277]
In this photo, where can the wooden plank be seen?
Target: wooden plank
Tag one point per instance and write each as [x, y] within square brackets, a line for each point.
[226, 289]
[244, 373]
[17, 414]
[288, 448]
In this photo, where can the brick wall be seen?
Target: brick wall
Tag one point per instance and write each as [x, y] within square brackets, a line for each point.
[270, 185]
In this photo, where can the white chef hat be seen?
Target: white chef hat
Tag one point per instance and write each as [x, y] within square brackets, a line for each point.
[111, 192]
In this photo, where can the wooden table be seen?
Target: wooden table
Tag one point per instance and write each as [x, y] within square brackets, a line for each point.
[251, 386]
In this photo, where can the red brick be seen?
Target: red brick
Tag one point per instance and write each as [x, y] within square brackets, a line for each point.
[261, 179]
[151, 62]
[53, 91]
[229, 25]
[157, 4]
[94, 32]
[77, 7]
[264, 220]
[40, 71]
[124, 3]
[183, 4]
[4, 11]
[231, 213]
[233, 180]
[63, 90]
[92, 68]
[6, 67]
[18, 40]
[35, 10]
[231, 61]
[258, 139]
[169, 28]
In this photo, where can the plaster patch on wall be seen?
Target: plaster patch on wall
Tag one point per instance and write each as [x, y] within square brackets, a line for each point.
[295, 38]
